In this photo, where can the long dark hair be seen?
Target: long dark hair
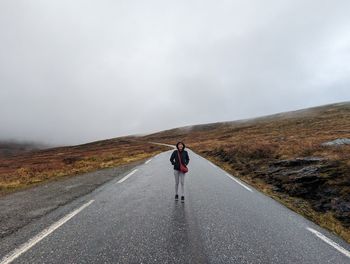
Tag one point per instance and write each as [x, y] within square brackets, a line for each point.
[180, 142]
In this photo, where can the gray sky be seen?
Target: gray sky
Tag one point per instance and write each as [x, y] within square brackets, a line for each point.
[78, 71]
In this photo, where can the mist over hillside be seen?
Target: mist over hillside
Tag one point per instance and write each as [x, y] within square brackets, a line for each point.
[12, 147]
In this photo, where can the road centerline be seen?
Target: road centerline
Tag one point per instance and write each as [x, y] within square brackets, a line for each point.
[127, 176]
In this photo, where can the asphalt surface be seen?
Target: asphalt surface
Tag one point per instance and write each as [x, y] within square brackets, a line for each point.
[137, 220]
[20, 208]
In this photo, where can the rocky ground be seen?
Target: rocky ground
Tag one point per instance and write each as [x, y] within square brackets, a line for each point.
[317, 180]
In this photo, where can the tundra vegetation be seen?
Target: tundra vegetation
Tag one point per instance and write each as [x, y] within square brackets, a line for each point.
[29, 168]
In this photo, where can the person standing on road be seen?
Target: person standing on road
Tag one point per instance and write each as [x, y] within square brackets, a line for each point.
[179, 175]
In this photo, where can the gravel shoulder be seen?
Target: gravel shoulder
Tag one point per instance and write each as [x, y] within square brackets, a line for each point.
[21, 208]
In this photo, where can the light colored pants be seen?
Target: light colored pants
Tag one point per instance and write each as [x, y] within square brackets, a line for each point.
[179, 176]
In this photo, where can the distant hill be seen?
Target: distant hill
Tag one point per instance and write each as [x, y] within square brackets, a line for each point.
[325, 111]
[11, 148]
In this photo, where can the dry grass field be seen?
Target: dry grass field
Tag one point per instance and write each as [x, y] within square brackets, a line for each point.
[283, 156]
[30, 168]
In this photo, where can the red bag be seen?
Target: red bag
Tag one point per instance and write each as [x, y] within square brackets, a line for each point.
[183, 168]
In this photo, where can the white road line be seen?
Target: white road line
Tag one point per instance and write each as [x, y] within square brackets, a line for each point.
[243, 185]
[148, 161]
[329, 242]
[162, 144]
[47, 231]
[212, 164]
[127, 176]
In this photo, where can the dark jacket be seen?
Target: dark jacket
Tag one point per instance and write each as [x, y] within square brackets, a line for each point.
[174, 159]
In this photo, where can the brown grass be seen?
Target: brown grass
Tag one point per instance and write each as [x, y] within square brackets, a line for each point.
[31, 168]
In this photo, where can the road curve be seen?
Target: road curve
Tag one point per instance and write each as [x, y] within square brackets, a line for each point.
[136, 220]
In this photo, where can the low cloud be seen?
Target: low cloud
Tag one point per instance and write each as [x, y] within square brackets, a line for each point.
[73, 72]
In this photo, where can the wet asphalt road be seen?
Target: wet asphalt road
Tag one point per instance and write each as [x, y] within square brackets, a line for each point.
[138, 221]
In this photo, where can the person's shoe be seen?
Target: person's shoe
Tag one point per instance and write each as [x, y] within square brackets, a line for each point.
[176, 197]
[182, 199]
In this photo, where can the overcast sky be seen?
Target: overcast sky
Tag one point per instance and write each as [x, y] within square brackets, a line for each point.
[78, 71]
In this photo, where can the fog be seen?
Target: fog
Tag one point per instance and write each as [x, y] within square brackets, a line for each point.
[78, 71]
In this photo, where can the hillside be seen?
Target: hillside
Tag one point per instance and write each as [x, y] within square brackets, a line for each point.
[12, 148]
[285, 156]
[32, 167]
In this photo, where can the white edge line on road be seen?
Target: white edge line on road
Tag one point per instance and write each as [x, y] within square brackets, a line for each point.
[148, 161]
[47, 231]
[232, 178]
[212, 164]
[243, 185]
[329, 242]
[127, 176]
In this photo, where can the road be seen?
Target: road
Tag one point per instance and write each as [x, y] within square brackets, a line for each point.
[135, 219]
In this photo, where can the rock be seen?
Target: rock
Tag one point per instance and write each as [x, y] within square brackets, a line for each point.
[341, 205]
[276, 189]
[323, 183]
[322, 206]
[306, 172]
[299, 177]
[337, 142]
[306, 179]
[329, 191]
[342, 210]
[298, 161]
[344, 218]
